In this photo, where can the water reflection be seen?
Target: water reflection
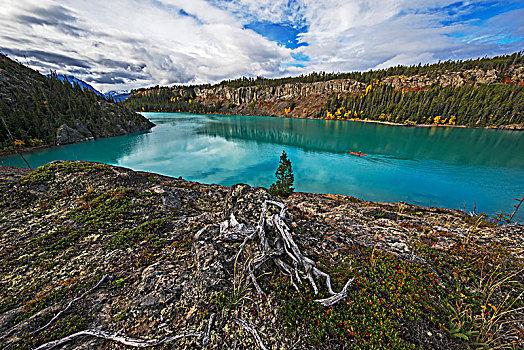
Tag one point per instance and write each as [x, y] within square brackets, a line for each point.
[479, 147]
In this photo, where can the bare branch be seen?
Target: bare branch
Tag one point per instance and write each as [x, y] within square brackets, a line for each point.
[133, 342]
[251, 329]
[205, 340]
[71, 303]
[332, 300]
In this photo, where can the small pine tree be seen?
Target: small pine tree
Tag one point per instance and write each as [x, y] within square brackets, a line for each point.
[283, 187]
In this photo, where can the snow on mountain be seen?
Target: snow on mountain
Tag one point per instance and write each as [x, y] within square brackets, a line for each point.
[75, 81]
[118, 96]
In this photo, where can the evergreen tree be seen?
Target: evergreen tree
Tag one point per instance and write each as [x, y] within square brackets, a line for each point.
[283, 187]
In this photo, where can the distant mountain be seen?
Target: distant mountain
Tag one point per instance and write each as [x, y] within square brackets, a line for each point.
[75, 81]
[48, 110]
[118, 96]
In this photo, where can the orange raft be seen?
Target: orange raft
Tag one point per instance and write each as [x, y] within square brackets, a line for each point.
[358, 154]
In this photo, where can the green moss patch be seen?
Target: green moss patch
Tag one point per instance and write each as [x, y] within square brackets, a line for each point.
[48, 172]
[149, 231]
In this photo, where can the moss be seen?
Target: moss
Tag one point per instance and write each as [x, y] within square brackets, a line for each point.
[230, 300]
[61, 329]
[39, 303]
[47, 172]
[120, 316]
[119, 283]
[153, 179]
[105, 210]
[148, 231]
[44, 206]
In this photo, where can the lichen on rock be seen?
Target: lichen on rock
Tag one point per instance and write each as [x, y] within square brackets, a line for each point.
[177, 266]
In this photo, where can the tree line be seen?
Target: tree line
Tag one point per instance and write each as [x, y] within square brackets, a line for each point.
[500, 63]
[166, 99]
[470, 105]
[473, 104]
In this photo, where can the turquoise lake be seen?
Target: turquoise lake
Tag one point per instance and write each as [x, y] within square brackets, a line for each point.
[445, 167]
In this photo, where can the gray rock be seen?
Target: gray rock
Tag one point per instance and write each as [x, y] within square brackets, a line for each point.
[66, 134]
[83, 129]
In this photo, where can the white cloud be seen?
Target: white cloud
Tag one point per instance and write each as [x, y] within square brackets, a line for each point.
[132, 43]
[169, 46]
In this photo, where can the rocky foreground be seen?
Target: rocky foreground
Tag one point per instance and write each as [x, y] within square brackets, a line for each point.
[94, 256]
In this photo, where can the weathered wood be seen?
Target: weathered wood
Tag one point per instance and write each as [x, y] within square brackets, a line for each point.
[251, 329]
[133, 342]
[277, 248]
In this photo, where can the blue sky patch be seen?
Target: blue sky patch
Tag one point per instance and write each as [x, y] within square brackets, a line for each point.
[477, 12]
[300, 57]
[282, 33]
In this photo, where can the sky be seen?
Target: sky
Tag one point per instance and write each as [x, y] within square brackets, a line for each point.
[125, 44]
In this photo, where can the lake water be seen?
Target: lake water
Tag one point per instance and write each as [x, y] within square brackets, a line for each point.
[446, 167]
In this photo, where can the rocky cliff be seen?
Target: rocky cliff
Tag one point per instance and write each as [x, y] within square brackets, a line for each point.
[436, 94]
[246, 95]
[94, 256]
[40, 110]
[305, 100]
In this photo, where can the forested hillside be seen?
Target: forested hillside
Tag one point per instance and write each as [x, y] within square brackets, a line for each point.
[484, 105]
[481, 92]
[40, 110]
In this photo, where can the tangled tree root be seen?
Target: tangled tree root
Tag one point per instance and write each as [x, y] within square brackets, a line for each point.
[276, 244]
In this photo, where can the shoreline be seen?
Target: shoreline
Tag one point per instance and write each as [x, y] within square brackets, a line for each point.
[509, 127]
[15, 171]
[29, 150]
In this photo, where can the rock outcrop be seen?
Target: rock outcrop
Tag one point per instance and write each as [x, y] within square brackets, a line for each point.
[245, 95]
[65, 135]
[275, 93]
[95, 256]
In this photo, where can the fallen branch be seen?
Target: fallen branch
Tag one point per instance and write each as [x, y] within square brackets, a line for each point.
[205, 340]
[517, 206]
[251, 329]
[71, 303]
[336, 297]
[133, 342]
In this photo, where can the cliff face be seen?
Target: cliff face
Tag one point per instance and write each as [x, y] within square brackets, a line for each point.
[246, 95]
[95, 256]
[40, 110]
[465, 93]
[455, 79]
[303, 90]
[307, 99]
